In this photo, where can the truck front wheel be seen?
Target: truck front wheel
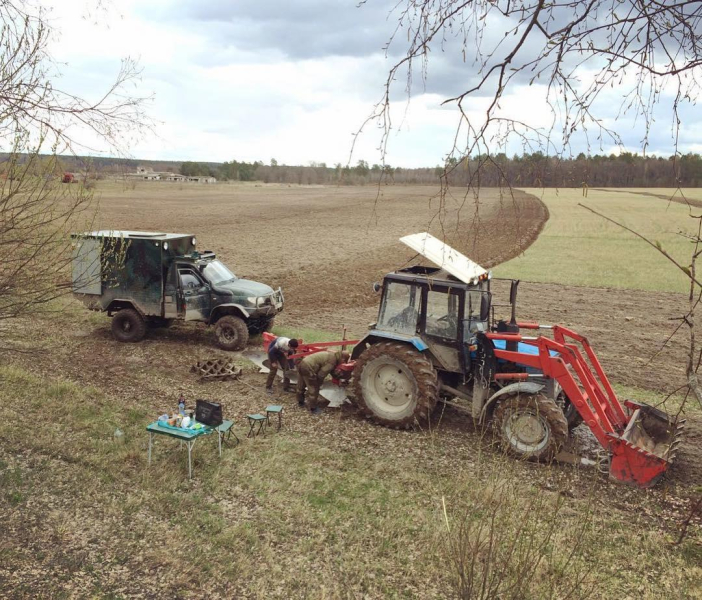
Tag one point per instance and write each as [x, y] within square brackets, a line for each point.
[231, 333]
[128, 326]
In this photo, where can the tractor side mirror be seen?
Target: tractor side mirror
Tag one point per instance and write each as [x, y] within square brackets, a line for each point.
[484, 307]
[513, 291]
[513, 300]
[377, 287]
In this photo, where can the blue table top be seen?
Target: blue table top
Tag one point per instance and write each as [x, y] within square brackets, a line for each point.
[178, 432]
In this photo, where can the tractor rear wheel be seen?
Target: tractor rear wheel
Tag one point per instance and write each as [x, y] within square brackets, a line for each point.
[531, 426]
[395, 385]
[128, 326]
[231, 333]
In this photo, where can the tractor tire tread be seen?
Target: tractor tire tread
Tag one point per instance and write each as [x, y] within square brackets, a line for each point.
[424, 374]
[551, 412]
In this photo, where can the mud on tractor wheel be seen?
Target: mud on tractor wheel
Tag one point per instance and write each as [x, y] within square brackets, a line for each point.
[571, 414]
[231, 333]
[531, 426]
[394, 385]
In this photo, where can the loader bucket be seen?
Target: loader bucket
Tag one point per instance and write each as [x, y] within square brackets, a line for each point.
[643, 453]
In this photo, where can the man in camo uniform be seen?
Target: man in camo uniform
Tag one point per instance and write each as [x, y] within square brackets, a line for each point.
[311, 372]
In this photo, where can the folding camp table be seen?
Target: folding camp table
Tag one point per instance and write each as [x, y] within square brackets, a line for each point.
[190, 437]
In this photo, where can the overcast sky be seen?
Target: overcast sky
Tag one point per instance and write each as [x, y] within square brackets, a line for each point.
[290, 80]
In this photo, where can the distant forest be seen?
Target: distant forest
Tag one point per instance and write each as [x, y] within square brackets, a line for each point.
[530, 170]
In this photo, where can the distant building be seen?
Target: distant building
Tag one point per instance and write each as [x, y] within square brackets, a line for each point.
[148, 174]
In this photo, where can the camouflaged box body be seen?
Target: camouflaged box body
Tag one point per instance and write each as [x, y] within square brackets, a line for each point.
[162, 275]
[127, 265]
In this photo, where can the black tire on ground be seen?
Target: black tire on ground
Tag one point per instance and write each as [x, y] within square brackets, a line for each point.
[395, 385]
[571, 414]
[160, 323]
[531, 426]
[231, 333]
[128, 326]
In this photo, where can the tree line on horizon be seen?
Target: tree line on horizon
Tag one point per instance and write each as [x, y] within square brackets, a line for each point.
[529, 170]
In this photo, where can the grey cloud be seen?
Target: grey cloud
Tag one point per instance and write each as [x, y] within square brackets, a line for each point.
[300, 30]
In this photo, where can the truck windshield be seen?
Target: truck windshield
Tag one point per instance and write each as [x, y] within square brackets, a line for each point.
[216, 272]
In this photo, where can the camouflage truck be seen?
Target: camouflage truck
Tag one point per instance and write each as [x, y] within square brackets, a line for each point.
[146, 279]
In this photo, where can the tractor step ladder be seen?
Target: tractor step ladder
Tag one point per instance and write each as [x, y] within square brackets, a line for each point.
[641, 440]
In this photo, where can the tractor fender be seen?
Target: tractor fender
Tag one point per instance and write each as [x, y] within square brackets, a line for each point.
[228, 309]
[376, 336]
[521, 387]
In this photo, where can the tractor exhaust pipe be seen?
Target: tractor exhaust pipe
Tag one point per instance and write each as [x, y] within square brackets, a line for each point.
[513, 327]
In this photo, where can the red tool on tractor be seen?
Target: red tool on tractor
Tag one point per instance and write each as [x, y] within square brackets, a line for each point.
[437, 340]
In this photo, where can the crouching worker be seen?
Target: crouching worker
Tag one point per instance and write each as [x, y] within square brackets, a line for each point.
[311, 372]
[278, 351]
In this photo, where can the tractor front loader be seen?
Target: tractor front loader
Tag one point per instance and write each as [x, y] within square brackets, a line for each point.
[641, 440]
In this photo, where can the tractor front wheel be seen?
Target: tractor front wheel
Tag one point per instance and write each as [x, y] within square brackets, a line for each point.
[571, 414]
[394, 385]
[231, 333]
[531, 426]
[128, 326]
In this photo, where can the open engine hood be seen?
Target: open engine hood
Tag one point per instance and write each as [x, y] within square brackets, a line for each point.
[442, 255]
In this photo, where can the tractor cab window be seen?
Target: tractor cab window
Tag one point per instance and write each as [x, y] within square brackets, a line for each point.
[400, 309]
[477, 303]
[442, 314]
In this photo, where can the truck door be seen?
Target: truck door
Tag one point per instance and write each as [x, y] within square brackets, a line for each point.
[173, 299]
[196, 294]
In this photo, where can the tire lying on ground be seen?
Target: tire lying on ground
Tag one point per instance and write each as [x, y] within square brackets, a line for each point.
[128, 326]
[395, 385]
[231, 333]
[530, 426]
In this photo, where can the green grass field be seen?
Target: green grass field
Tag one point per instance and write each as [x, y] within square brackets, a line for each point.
[292, 516]
[577, 247]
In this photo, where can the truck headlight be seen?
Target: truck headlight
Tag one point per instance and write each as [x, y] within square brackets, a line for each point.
[251, 300]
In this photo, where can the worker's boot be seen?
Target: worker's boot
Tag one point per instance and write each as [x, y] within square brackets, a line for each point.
[286, 382]
[313, 400]
[270, 380]
[300, 399]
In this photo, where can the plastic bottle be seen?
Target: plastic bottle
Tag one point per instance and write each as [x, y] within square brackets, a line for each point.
[181, 406]
[119, 436]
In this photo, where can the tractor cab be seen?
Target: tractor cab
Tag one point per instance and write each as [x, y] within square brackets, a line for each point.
[433, 310]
